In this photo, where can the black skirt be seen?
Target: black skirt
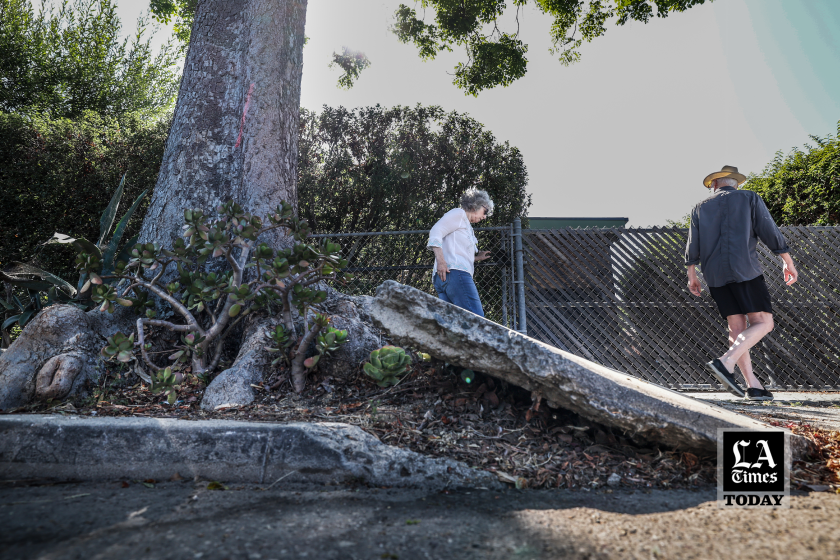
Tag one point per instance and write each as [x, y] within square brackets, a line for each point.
[740, 298]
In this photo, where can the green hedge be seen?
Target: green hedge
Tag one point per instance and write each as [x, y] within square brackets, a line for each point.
[59, 176]
[803, 187]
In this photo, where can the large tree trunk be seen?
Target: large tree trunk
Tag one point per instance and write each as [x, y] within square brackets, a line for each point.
[234, 136]
[235, 129]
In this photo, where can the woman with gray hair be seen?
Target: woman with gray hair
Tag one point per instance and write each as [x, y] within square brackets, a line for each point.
[456, 251]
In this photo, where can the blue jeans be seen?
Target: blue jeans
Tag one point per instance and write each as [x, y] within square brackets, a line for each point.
[459, 289]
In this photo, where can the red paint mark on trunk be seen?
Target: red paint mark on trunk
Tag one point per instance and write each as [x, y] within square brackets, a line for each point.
[244, 114]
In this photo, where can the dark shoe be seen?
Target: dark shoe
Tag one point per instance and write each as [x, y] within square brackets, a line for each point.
[726, 379]
[754, 394]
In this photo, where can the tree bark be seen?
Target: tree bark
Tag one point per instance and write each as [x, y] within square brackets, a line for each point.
[235, 130]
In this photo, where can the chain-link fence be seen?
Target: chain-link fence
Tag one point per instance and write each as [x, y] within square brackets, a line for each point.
[619, 298]
[402, 256]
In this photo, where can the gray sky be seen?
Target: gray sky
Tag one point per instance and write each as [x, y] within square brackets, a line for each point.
[633, 128]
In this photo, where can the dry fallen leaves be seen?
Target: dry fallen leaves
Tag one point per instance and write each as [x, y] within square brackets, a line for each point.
[487, 424]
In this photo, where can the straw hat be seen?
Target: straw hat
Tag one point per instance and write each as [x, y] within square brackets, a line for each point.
[726, 172]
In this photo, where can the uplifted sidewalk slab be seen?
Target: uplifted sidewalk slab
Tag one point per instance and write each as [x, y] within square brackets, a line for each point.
[84, 448]
[644, 411]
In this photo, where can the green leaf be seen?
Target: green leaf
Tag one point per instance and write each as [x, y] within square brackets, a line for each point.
[110, 251]
[9, 322]
[81, 244]
[234, 310]
[125, 254]
[33, 278]
[25, 316]
[107, 219]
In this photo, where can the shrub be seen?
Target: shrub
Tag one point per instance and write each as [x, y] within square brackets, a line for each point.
[55, 175]
[803, 188]
[401, 168]
[29, 288]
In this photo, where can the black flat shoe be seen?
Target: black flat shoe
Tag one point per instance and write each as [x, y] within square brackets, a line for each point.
[754, 394]
[726, 379]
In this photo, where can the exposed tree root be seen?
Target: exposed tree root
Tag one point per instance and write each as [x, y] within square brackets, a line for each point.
[55, 378]
[55, 354]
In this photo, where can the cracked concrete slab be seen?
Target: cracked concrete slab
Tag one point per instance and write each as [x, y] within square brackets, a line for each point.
[645, 411]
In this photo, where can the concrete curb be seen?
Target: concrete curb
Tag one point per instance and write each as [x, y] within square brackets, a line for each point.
[83, 448]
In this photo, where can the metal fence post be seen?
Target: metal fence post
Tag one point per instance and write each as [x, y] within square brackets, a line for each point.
[520, 277]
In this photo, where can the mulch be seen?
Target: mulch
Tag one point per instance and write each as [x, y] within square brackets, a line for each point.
[487, 424]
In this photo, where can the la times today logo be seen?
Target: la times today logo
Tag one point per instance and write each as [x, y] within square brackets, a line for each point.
[753, 468]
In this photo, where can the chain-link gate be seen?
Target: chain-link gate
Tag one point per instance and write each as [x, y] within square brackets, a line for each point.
[619, 298]
[402, 256]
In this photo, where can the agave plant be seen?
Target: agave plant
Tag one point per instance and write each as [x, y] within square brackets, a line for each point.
[25, 297]
[36, 288]
[387, 364]
[105, 251]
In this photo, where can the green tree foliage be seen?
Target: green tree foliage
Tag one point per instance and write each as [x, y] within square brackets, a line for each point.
[67, 61]
[57, 175]
[496, 57]
[181, 11]
[684, 222]
[376, 169]
[352, 62]
[803, 188]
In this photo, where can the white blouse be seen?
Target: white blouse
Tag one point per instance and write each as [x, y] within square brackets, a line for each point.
[454, 234]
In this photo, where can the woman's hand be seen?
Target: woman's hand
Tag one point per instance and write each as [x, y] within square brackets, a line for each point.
[482, 256]
[442, 269]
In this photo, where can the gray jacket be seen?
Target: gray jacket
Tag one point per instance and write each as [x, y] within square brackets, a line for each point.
[725, 229]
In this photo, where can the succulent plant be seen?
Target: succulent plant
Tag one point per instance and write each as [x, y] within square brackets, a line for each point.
[325, 343]
[212, 303]
[331, 340]
[387, 364]
[283, 340]
[167, 383]
[119, 347]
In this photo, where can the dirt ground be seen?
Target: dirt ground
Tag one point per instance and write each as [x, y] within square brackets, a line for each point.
[485, 423]
[185, 520]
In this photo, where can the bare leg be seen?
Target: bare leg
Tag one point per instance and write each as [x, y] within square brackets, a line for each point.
[742, 339]
[737, 325]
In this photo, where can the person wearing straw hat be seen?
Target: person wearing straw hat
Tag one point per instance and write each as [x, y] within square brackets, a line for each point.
[722, 238]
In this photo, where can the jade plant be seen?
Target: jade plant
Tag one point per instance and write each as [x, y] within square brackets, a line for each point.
[212, 278]
[387, 365]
